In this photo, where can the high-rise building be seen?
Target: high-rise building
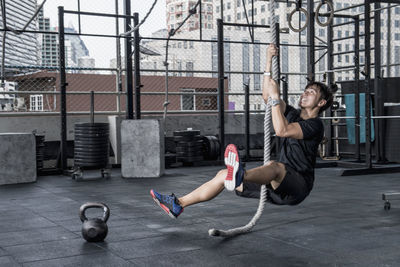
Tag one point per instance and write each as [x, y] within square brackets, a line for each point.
[21, 49]
[48, 43]
[75, 48]
[178, 10]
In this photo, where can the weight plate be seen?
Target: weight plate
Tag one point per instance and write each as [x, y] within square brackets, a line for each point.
[187, 138]
[91, 144]
[89, 134]
[187, 133]
[189, 154]
[189, 159]
[92, 165]
[189, 149]
[188, 144]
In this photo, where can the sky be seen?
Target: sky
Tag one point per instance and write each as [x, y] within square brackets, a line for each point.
[103, 49]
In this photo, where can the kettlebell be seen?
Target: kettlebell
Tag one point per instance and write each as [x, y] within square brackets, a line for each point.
[94, 230]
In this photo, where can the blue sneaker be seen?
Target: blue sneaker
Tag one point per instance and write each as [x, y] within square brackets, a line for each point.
[235, 175]
[169, 203]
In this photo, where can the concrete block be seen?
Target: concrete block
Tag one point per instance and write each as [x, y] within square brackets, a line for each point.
[115, 137]
[142, 148]
[17, 158]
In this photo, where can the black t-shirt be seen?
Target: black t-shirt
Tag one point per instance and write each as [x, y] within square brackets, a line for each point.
[300, 154]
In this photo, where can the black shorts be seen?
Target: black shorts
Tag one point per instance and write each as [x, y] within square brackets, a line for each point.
[292, 191]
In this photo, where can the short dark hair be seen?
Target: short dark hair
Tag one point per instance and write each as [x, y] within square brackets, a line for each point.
[326, 94]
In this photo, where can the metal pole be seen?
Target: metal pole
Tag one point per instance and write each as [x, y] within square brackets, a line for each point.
[63, 87]
[378, 100]
[118, 80]
[128, 62]
[92, 107]
[247, 117]
[367, 70]
[310, 41]
[330, 79]
[137, 66]
[357, 92]
[221, 86]
[388, 44]
[201, 20]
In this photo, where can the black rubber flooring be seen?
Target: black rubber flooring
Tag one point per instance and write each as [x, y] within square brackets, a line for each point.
[341, 223]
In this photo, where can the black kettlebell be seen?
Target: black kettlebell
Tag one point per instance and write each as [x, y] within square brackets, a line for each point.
[94, 230]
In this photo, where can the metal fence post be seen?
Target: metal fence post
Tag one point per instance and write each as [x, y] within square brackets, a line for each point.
[63, 85]
[128, 61]
[137, 66]
[221, 87]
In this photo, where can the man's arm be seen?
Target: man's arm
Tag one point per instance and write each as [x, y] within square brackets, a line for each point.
[281, 125]
[271, 89]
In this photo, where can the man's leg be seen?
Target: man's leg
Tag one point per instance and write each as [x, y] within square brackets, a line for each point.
[273, 173]
[206, 191]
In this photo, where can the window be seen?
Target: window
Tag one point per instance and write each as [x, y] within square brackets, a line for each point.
[190, 44]
[321, 32]
[189, 68]
[347, 59]
[36, 103]
[262, 8]
[238, 3]
[339, 47]
[180, 68]
[188, 101]
[238, 16]
[256, 65]
[228, 5]
[262, 21]
[347, 47]
[321, 63]
[397, 55]
[397, 10]
[214, 57]
[339, 34]
[397, 36]
[245, 61]
[285, 57]
[397, 23]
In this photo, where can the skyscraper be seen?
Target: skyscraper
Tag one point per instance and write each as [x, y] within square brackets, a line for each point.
[48, 43]
[21, 49]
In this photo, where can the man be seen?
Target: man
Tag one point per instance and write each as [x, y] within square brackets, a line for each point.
[290, 179]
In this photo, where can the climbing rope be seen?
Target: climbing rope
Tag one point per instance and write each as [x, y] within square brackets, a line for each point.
[267, 144]
[171, 33]
[142, 21]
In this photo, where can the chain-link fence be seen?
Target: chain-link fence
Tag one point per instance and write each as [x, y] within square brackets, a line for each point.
[178, 76]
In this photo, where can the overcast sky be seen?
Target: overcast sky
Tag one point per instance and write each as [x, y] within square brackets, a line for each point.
[103, 49]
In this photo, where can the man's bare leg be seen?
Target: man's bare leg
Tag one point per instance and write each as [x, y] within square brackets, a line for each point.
[272, 173]
[206, 191]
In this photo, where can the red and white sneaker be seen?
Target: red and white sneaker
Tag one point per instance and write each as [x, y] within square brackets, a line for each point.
[235, 169]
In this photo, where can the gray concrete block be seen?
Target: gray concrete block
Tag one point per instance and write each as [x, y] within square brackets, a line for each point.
[142, 148]
[17, 158]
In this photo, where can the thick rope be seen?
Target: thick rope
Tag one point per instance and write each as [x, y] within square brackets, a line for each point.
[267, 145]
[171, 33]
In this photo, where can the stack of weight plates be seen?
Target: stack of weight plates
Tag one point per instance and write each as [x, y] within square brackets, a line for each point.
[91, 147]
[211, 147]
[189, 146]
[39, 152]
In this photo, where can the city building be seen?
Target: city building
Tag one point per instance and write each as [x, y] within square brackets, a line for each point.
[21, 49]
[48, 43]
[178, 10]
